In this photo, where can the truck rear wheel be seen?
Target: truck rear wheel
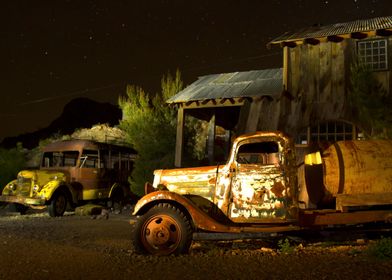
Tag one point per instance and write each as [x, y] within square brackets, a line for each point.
[58, 204]
[163, 230]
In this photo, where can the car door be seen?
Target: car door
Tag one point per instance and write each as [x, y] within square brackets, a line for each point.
[258, 192]
[91, 176]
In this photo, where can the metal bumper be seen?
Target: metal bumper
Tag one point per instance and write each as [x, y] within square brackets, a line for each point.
[22, 200]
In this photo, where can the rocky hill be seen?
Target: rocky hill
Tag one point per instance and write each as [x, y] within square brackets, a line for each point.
[78, 113]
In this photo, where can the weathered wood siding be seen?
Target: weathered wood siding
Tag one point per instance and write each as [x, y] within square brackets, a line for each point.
[317, 83]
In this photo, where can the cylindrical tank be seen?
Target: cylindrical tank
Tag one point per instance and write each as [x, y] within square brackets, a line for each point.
[347, 167]
[357, 167]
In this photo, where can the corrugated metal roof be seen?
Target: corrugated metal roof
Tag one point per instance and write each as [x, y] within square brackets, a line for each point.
[364, 25]
[254, 83]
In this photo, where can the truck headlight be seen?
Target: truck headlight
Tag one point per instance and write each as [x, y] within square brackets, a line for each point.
[12, 187]
[35, 188]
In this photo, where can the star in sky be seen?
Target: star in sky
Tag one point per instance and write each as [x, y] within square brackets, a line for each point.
[55, 49]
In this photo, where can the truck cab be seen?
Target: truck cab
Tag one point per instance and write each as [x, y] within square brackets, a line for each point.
[255, 188]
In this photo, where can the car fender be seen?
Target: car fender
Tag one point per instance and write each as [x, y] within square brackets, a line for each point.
[48, 190]
[201, 220]
[113, 189]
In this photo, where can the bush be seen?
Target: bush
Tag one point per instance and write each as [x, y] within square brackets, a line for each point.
[370, 102]
[382, 249]
[285, 247]
[150, 126]
[11, 162]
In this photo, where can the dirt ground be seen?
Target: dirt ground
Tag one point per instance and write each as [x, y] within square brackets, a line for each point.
[35, 246]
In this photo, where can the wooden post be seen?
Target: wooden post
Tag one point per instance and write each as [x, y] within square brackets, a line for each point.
[179, 136]
[211, 140]
[285, 68]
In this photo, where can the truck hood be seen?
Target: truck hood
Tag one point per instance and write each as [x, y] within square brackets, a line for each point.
[196, 180]
[40, 177]
[29, 181]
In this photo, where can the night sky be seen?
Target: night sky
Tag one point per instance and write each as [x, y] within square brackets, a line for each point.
[56, 50]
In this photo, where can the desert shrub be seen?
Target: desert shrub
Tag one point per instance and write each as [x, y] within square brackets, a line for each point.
[381, 249]
[11, 162]
[370, 102]
[285, 247]
[150, 126]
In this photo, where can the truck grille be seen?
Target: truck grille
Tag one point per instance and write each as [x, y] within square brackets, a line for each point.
[23, 186]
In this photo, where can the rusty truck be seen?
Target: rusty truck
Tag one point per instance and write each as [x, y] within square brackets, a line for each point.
[264, 188]
[72, 173]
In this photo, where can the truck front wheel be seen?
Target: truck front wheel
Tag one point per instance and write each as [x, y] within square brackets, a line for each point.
[58, 204]
[163, 230]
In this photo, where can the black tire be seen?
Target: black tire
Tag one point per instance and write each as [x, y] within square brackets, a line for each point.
[58, 204]
[117, 201]
[163, 230]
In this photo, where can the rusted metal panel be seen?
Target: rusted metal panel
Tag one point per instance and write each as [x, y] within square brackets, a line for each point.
[347, 28]
[197, 180]
[243, 191]
[201, 219]
[258, 193]
[233, 85]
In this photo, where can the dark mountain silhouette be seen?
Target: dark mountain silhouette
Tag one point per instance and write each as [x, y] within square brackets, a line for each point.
[78, 113]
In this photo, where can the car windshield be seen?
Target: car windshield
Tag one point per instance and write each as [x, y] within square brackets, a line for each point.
[60, 159]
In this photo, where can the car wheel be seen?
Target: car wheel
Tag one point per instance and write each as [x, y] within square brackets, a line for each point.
[163, 230]
[58, 204]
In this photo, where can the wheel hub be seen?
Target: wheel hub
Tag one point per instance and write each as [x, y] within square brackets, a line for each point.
[160, 235]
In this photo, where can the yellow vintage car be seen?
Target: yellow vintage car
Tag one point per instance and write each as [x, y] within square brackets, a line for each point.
[72, 173]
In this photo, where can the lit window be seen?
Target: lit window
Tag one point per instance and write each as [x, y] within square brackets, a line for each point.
[331, 131]
[373, 54]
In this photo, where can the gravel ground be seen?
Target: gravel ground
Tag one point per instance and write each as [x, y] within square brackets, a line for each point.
[35, 246]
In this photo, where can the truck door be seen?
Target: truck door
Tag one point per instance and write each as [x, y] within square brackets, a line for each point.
[258, 190]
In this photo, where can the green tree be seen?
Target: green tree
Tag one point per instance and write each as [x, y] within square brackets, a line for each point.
[150, 127]
[11, 162]
[371, 103]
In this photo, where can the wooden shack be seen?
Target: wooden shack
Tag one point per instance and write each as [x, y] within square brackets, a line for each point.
[317, 64]
[307, 98]
[220, 99]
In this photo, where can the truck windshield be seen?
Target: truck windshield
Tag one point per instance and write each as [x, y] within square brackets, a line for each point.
[60, 159]
[263, 153]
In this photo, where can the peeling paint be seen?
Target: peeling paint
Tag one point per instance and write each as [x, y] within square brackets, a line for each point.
[252, 186]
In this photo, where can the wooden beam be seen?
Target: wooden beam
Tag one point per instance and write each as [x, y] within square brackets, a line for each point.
[312, 41]
[242, 99]
[179, 136]
[358, 35]
[211, 141]
[347, 200]
[384, 32]
[335, 38]
[290, 44]
[211, 103]
[285, 67]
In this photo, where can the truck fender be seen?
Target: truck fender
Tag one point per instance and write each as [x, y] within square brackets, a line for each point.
[50, 188]
[200, 219]
[113, 189]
